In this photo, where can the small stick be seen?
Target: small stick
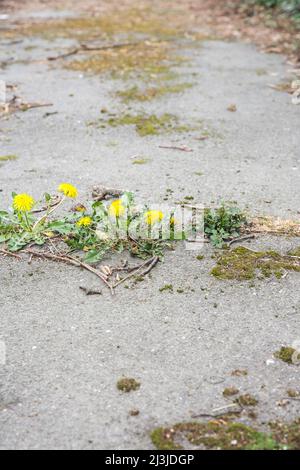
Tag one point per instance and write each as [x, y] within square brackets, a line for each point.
[174, 147]
[151, 266]
[86, 48]
[93, 270]
[220, 411]
[90, 291]
[9, 253]
[146, 263]
[27, 106]
[44, 208]
[73, 261]
[240, 239]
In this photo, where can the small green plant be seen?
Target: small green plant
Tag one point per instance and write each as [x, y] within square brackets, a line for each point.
[223, 223]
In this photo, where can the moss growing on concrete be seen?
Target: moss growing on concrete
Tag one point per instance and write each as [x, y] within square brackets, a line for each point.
[144, 59]
[242, 264]
[128, 385]
[166, 288]
[230, 391]
[124, 20]
[145, 124]
[136, 94]
[217, 434]
[246, 400]
[287, 434]
[286, 354]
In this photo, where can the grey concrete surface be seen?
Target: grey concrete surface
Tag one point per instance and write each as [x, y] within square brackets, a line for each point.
[66, 351]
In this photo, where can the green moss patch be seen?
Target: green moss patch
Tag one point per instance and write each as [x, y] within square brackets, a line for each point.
[230, 391]
[143, 59]
[145, 124]
[286, 354]
[167, 288]
[125, 20]
[215, 435]
[287, 434]
[242, 264]
[128, 385]
[246, 400]
[136, 94]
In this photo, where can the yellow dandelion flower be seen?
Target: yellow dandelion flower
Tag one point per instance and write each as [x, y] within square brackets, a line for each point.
[84, 222]
[153, 216]
[116, 209]
[23, 202]
[68, 190]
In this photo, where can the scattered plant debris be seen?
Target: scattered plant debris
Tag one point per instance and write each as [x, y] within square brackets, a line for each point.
[232, 108]
[287, 434]
[239, 373]
[17, 104]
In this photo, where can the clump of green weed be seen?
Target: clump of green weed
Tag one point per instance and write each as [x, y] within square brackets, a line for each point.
[223, 223]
